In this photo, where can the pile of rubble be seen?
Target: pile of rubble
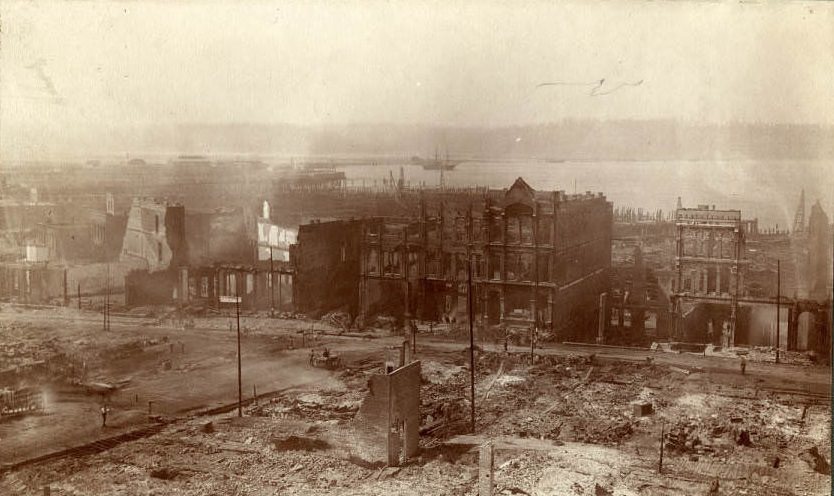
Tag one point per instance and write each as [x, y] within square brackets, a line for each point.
[322, 405]
[569, 399]
[688, 436]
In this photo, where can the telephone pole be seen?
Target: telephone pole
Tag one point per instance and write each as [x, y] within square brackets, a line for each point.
[239, 383]
[778, 304]
[105, 310]
[236, 300]
[471, 344]
[271, 285]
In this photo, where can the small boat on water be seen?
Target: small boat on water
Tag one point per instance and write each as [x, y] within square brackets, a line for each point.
[435, 164]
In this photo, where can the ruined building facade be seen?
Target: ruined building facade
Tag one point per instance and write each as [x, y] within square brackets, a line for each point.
[538, 259]
[325, 261]
[155, 240]
[709, 261]
[819, 255]
[155, 234]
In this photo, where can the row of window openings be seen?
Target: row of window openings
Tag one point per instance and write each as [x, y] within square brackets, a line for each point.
[649, 319]
[231, 284]
[706, 283]
[518, 268]
[715, 248]
[519, 231]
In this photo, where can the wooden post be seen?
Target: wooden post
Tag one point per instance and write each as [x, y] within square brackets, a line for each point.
[535, 330]
[239, 382]
[778, 303]
[660, 462]
[603, 321]
[471, 347]
[271, 285]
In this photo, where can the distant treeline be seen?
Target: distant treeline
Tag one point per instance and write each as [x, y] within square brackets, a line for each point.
[566, 140]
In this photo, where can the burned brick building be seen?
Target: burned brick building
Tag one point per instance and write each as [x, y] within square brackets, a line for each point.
[710, 248]
[538, 259]
[326, 265]
[709, 265]
[637, 308]
[818, 265]
[155, 239]
[155, 234]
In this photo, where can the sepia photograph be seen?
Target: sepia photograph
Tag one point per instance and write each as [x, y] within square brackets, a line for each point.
[425, 247]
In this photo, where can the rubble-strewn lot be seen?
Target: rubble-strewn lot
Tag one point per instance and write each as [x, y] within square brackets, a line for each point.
[565, 425]
[141, 364]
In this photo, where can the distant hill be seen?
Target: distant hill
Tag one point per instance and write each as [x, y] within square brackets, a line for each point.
[568, 140]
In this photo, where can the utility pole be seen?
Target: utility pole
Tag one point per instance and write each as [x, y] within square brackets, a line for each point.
[471, 344]
[106, 281]
[107, 298]
[778, 303]
[662, 435]
[239, 383]
[236, 300]
[271, 285]
[534, 331]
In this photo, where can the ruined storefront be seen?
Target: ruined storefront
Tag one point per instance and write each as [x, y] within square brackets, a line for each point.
[538, 259]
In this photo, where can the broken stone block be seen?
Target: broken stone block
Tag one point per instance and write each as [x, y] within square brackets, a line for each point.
[164, 473]
[601, 491]
[714, 488]
[642, 409]
[298, 443]
[744, 439]
[816, 461]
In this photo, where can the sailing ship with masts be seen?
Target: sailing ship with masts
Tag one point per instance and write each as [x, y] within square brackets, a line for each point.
[437, 163]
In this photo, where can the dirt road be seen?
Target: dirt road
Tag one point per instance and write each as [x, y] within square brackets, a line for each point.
[194, 369]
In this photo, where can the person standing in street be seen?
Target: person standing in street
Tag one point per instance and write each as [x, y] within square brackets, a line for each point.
[104, 411]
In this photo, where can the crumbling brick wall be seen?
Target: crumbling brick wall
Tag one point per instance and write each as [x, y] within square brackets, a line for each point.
[326, 261]
[150, 288]
[392, 404]
[155, 233]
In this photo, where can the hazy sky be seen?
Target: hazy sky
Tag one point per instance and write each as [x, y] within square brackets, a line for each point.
[77, 65]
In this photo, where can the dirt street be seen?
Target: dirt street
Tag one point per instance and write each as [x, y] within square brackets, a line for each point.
[178, 370]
